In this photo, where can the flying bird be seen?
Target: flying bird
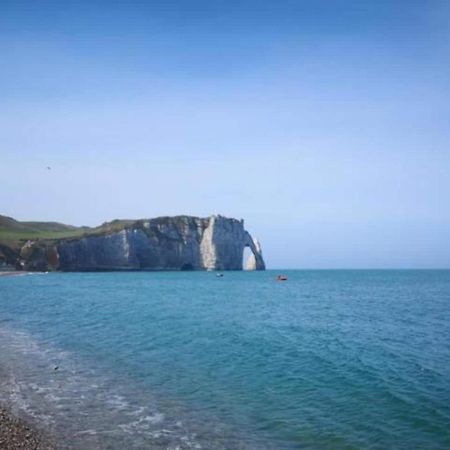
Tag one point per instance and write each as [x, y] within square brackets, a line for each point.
[49, 168]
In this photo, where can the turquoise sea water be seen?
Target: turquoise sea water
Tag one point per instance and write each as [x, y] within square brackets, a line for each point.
[326, 360]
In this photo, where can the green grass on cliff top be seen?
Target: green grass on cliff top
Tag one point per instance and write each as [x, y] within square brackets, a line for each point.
[14, 233]
[8, 235]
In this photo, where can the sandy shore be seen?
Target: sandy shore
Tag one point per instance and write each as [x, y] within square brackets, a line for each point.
[17, 434]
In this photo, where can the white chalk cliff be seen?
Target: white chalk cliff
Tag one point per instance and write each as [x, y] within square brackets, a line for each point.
[165, 243]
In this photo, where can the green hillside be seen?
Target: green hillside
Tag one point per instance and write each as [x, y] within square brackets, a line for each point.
[13, 232]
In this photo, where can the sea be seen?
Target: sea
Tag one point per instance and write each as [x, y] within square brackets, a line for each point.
[329, 359]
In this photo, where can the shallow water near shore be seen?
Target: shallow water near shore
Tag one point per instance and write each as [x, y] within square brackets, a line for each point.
[328, 359]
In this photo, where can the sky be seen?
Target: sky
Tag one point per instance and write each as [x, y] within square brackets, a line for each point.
[324, 124]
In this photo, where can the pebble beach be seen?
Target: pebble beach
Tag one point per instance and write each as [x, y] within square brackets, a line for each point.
[17, 434]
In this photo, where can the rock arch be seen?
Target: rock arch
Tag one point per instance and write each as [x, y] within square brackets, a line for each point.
[223, 245]
[255, 261]
[164, 243]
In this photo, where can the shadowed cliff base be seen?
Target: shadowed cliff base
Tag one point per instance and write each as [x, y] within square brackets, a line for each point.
[163, 243]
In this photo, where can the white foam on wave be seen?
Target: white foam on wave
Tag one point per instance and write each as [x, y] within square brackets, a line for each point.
[118, 402]
[143, 423]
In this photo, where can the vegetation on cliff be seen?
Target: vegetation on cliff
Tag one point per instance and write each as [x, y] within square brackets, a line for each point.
[14, 234]
[162, 243]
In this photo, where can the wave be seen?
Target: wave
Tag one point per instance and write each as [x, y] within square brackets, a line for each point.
[84, 408]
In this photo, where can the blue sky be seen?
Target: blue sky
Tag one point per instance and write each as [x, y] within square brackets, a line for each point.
[324, 124]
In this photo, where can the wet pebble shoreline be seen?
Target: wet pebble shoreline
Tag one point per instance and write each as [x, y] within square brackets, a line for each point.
[16, 434]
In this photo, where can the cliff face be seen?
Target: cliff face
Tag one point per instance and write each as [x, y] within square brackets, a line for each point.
[223, 244]
[166, 243]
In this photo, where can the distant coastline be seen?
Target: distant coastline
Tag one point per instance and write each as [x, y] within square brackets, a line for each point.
[163, 243]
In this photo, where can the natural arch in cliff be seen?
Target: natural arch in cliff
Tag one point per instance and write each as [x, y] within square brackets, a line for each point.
[255, 260]
[248, 258]
[222, 246]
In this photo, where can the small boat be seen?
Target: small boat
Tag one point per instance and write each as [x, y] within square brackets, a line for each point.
[282, 278]
[220, 275]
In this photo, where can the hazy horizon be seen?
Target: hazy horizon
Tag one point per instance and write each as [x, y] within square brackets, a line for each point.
[323, 124]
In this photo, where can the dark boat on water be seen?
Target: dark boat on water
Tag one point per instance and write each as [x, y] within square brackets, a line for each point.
[282, 278]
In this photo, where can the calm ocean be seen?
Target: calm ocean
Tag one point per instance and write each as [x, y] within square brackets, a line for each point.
[326, 360]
